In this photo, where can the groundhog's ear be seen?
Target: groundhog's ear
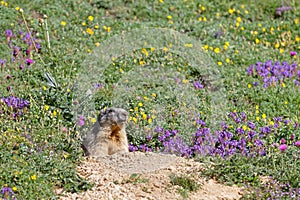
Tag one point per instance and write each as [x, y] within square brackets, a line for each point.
[101, 114]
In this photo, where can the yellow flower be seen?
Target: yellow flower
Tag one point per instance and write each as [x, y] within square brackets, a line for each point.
[153, 95]
[169, 17]
[257, 107]
[17, 8]
[217, 50]
[227, 60]
[286, 102]
[217, 15]
[264, 116]
[93, 120]
[203, 8]
[205, 46]
[144, 116]
[184, 81]
[63, 23]
[89, 31]
[257, 119]
[242, 6]
[204, 19]
[14, 188]
[91, 18]
[144, 51]
[46, 107]
[68, 90]
[33, 177]
[283, 84]
[256, 111]
[231, 11]
[165, 49]
[134, 120]
[140, 104]
[237, 24]
[239, 19]
[220, 63]
[296, 21]
[257, 41]
[244, 127]
[188, 45]
[121, 70]
[281, 50]
[271, 123]
[152, 49]
[83, 24]
[161, 1]
[45, 88]
[54, 113]
[246, 11]
[249, 85]
[264, 29]
[149, 120]
[297, 39]
[96, 26]
[136, 108]
[142, 62]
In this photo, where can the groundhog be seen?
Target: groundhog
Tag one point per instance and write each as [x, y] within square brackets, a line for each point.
[107, 135]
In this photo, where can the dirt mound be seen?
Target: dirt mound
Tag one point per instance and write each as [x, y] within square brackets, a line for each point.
[146, 176]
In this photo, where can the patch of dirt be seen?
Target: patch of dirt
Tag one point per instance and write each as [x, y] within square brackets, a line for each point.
[146, 176]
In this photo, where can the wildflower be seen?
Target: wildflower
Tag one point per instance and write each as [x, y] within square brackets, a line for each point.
[220, 63]
[63, 23]
[282, 147]
[91, 18]
[140, 104]
[33, 177]
[293, 53]
[89, 31]
[297, 143]
[169, 17]
[217, 50]
[8, 33]
[81, 121]
[198, 85]
[282, 141]
[249, 85]
[64, 129]
[29, 61]
[231, 11]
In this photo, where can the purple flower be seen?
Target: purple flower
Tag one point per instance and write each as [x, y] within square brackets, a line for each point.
[297, 143]
[29, 61]
[8, 33]
[293, 53]
[81, 121]
[198, 85]
[282, 141]
[282, 147]
[98, 85]
[2, 62]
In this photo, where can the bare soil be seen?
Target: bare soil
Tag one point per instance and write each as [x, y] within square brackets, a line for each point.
[146, 176]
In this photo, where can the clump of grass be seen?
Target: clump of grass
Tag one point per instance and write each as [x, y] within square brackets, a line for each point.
[186, 184]
[135, 179]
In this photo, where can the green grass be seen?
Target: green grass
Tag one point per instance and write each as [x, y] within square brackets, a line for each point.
[40, 149]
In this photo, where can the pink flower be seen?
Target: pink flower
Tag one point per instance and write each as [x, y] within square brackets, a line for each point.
[297, 143]
[81, 121]
[282, 147]
[64, 129]
[282, 141]
[293, 53]
[29, 61]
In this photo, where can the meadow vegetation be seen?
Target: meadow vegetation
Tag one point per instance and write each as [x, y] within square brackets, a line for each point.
[253, 44]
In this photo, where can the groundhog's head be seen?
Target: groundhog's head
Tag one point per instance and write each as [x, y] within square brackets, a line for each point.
[113, 118]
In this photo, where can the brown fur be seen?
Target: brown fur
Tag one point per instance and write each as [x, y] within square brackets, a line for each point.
[108, 134]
